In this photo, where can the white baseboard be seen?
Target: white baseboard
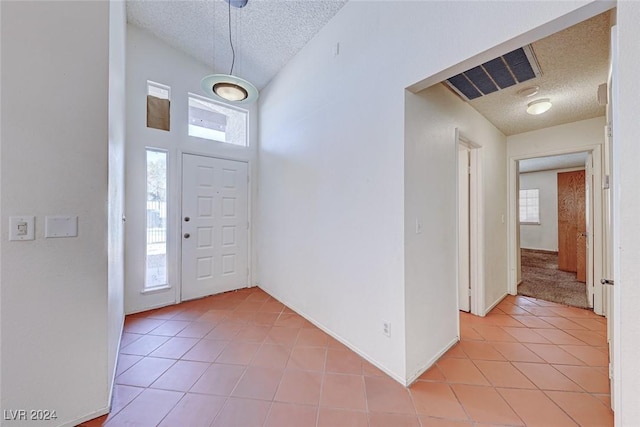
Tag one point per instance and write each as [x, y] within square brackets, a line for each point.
[551, 251]
[492, 306]
[107, 409]
[89, 417]
[152, 307]
[335, 336]
[431, 362]
[115, 367]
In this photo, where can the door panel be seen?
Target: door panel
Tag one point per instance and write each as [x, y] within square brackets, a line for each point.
[581, 258]
[571, 219]
[464, 264]
[214, 226]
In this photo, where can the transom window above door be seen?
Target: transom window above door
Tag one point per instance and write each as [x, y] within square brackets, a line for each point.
[212, 120]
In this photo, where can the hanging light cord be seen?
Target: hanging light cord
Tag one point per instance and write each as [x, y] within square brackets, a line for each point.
[233, 51]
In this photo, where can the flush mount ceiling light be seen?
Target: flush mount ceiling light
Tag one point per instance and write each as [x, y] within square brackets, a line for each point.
[528, 92]
[539, 106]
[227, 87]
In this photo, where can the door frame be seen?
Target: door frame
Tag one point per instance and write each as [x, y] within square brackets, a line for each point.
[590, 208]
[476, 222]
[178, 214]
[612, 293]
[595, 240]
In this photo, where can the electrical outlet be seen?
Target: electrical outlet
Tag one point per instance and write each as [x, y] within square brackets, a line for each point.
[386, 328]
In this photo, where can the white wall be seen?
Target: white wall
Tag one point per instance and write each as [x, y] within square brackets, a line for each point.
[627, 287]
[1, 227]
[117, 119]
[543, 236]
[148, 58]
[495, 215]
[54, 131]
[431, 118]
[48, 301]
[332, 158]
[575, 137]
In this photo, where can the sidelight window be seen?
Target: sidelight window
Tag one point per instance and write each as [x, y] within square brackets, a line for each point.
[156, 257]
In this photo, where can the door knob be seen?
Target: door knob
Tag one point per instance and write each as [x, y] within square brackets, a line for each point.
[606, 282]
[187, 219]
[187, 235]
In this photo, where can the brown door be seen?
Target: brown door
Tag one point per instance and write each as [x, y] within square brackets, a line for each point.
[572, 248]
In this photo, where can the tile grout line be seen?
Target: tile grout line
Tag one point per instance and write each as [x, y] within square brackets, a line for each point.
[474, 362]
[534, 384]
[184, 394]
[495, 387]
[324, 370]
[273, 399]
[545, 392]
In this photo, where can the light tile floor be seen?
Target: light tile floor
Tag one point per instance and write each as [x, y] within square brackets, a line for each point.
[244, 359]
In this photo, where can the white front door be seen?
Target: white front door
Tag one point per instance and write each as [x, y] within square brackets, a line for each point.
[215, 242]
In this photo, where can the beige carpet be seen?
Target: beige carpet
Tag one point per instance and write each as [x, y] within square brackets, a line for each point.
[542, 279]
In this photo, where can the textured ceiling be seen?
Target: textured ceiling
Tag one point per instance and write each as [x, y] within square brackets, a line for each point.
[563, 161]
[266, 33]
[574, 62]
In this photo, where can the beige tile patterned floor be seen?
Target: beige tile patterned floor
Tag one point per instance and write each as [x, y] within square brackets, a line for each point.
[244, 359]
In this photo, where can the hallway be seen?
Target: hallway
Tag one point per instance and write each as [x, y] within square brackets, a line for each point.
[244, 359]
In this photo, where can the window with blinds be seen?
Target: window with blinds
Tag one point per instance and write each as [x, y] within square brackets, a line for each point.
[530, 206]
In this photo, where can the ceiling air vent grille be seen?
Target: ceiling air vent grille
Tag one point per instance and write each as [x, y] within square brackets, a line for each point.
[514, 67]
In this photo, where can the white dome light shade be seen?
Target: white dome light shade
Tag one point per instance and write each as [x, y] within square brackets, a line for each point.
[230, 91]
[227, 88]
[539, 106]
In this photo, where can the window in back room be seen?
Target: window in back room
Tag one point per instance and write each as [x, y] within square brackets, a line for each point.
[529, 206]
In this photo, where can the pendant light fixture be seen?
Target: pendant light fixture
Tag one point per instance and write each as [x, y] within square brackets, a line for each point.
[227, 87]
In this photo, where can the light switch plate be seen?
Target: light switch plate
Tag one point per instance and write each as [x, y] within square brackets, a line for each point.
[22, 227]
[61, 226]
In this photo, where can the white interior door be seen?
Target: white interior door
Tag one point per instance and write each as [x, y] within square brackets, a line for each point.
[464, 259]
[589, 228]
[215, 223]
[611, 219]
